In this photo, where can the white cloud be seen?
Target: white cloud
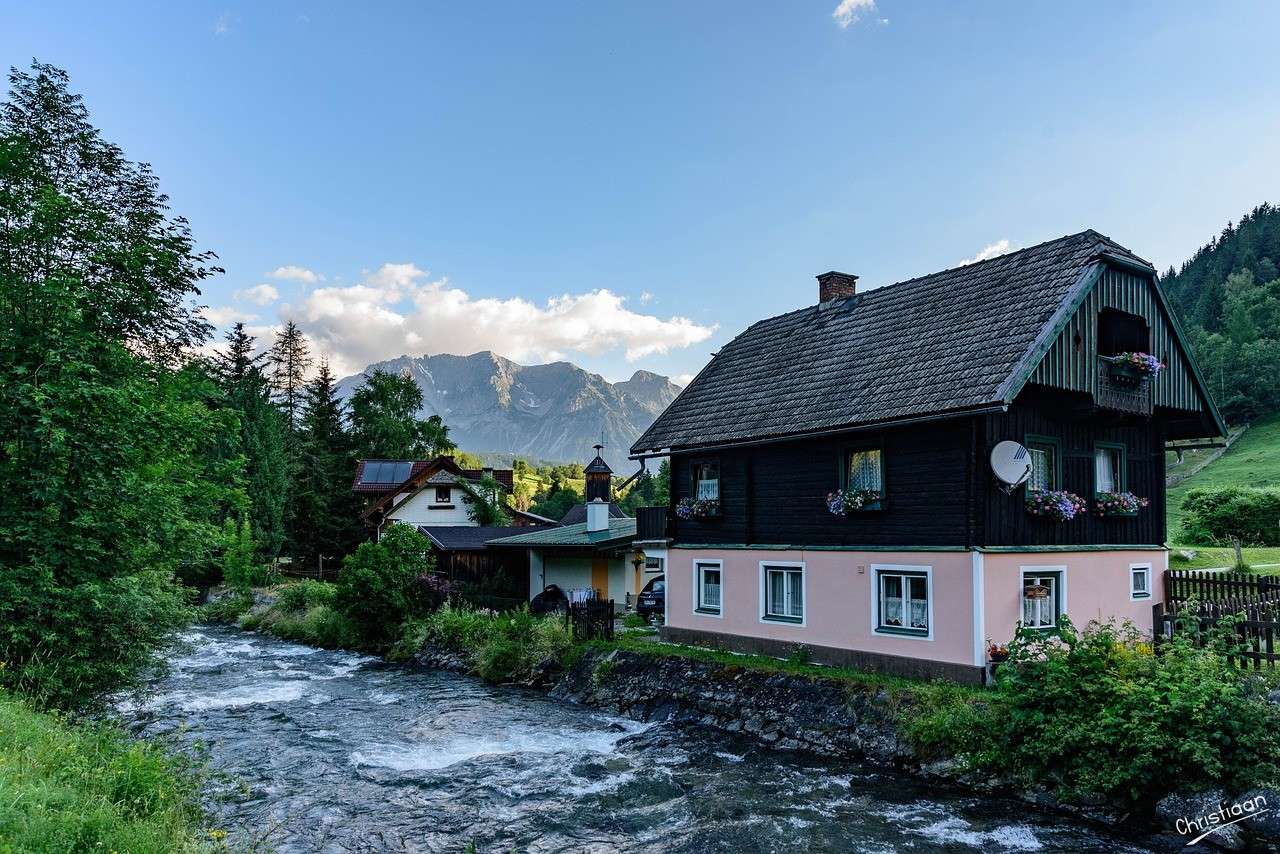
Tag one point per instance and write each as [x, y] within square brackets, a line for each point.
[222, 26]
[645, 297]
[682, 380]
[850, 12]
[396, 309]
[261, 294]
[294, 273]
[991, 250]
[224, 315]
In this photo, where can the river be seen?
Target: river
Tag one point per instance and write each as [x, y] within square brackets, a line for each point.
[312, 750]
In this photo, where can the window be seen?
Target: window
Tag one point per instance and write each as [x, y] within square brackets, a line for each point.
[1108, 467]
[442, 495]
[783, 593]
[707, 587]
[864, 470]
[1046, 463]
[1041, 597]
[902, 600]
[1139, 581]
[706, 481]
[1120, 332]
[653, 564]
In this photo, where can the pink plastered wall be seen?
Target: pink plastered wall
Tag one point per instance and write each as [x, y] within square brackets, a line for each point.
[1096, 587]
[838, 600]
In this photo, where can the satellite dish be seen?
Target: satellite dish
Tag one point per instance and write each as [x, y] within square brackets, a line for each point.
[1011, 464]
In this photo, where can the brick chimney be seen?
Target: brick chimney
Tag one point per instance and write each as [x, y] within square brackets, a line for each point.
[836, 285]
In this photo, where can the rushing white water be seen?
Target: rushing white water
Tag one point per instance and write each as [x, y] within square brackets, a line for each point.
[329, 751]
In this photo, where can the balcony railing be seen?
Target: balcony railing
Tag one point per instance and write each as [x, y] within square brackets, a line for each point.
[651, 523]
[1122, 395]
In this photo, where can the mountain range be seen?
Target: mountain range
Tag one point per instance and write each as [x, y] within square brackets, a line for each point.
[549, 412]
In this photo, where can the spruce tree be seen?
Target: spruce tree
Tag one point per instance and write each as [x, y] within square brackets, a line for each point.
[326, 521]
[290, 358]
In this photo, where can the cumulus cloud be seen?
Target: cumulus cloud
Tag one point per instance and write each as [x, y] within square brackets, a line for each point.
[397, 309]
[645, 297]
[224, 315]
[260, 294]
[991, 250]
[294, 273]
[850, 12]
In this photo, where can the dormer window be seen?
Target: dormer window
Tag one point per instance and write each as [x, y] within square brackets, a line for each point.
[706, 481]
[1121, 332]
[442, 495]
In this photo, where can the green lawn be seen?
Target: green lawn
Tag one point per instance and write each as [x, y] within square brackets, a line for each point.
[1212, 557]
[1254, 460]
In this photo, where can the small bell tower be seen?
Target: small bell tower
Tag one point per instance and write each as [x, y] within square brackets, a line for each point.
[599, 478]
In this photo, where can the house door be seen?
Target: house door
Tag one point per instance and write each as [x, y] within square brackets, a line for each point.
[600, 575]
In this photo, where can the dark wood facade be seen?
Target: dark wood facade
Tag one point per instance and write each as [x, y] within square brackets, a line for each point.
[938, 487]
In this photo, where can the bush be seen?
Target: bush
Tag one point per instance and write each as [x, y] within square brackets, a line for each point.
[318, 625]
[228, 607]
[500, 647]
[1096, 713]
[305, 594]
[376, 584]
[90, 788]
[1213, 516]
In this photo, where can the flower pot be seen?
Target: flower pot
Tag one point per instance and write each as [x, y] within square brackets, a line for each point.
[1126, 373]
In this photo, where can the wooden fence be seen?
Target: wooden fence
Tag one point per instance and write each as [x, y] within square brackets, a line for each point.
[1184, 585]
[591, 619]
[1249, 626]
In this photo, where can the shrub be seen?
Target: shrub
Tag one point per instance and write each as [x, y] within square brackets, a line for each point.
[500, 647]
[305, 594]
[229, 607]
[1215, 515]
[240, 568]
[90, 788]
[376, 584]
[1094, 712]
[319, 625]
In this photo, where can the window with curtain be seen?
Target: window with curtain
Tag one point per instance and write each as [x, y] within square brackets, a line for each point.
[903, 602]
[784, 593]
[1108, 465]
[864, 470]
[709, 588]
[1140, 582]
[706, 481]
[1041, 613]
[1044, 465]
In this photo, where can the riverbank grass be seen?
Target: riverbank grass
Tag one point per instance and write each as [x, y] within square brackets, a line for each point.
[88, 787]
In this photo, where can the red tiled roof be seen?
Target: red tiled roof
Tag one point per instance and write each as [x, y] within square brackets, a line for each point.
[504, 476]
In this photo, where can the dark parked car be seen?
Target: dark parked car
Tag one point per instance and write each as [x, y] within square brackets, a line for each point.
[652, 599]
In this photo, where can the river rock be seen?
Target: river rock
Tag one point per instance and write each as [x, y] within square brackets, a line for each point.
[1265, 823]
[1192, 805]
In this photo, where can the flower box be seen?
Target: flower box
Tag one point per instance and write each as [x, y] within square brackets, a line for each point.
[843, 502]
[698, 508]
[1118, 504]
[1133, 368]
[1058, 505]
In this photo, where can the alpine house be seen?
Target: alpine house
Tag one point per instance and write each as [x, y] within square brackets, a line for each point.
[839, 478]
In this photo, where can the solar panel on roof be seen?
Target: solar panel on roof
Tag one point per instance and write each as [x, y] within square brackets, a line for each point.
[401, 472]
[371, 473]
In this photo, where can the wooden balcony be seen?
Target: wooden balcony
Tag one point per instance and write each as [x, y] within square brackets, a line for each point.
[652, 523]
[1122, 396]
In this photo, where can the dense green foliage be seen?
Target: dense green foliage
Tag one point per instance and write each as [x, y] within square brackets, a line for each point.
[500, 647]
[1228, 297]
[1214, 516]
[487, 503]
[240, 566]
[113, 464]
[90, 788]
[385, 422]
[1252, 460]
[1094, 712]
[376, 586]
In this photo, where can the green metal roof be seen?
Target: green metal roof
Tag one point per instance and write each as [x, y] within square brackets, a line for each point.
[620, 530]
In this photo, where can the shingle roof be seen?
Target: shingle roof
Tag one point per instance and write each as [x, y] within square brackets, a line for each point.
[620, 531]
[504, 476]
[467, 538]
[945, 342]
[578, 513]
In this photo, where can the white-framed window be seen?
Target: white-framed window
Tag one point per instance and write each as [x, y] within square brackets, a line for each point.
[653, 564]
[1139, 581]
[903, 601]
[1044, 596]
[442, 495]
[782, 592]
[708, 587]
[706, 481]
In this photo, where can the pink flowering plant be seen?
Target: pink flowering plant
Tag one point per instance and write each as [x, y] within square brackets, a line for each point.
[1144, 364]
[697, 508]
[1057, 504]
[1118, 504]
[842, 502]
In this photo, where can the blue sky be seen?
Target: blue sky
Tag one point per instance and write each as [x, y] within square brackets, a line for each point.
[629, 185]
